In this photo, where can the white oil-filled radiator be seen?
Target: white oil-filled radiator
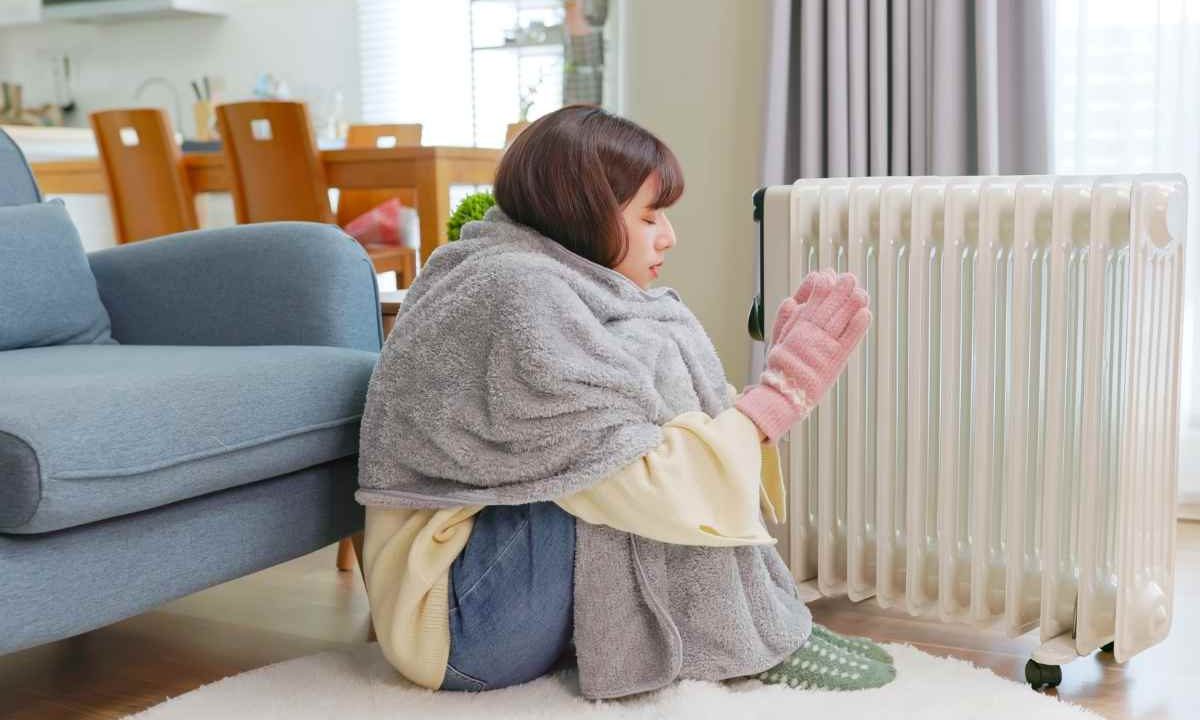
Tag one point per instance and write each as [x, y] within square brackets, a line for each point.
[1001, 449]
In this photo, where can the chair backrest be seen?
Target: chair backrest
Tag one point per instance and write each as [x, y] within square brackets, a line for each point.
[383, 135]
[148, 189]
[352, 203]
[17, 186]
[274, 167]
[514, 129]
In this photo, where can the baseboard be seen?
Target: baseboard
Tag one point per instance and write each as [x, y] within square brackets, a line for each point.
[1189, 509]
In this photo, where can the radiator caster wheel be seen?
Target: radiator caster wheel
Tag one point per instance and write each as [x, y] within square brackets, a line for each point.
[1039, 676]
[1107, 647]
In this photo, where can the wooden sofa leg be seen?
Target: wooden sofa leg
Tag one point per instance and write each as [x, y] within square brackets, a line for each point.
[346, 555]
[350, 555]
[356, 541]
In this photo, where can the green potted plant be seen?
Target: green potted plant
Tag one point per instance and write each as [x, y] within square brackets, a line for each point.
[471, 208]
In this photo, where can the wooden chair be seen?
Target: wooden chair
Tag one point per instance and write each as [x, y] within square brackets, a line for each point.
[352, 203]
[148, 189]
[514, 129]
[276, 173]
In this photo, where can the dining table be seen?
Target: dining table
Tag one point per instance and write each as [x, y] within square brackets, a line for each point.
[431, 170]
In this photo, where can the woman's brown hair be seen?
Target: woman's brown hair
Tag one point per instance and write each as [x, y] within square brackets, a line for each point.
[569, 174]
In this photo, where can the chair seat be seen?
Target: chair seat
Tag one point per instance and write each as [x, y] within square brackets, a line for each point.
[90, 432]
[403, 260]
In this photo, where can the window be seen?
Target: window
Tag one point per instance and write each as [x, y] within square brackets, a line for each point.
[517, 61]
[415, 65]
[466, 69]
[1125, 92]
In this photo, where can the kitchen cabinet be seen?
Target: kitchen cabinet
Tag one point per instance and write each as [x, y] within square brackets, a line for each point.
[24, 12]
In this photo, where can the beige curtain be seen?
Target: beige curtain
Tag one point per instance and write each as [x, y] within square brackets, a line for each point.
[906, 87]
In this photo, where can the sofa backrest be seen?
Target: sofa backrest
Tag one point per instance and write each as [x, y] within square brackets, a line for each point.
[17, 186]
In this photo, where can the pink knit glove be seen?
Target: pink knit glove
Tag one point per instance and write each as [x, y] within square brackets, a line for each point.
[815, 331]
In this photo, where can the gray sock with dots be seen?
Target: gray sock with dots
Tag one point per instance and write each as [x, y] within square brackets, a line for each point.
[820, 665]
[857, 645]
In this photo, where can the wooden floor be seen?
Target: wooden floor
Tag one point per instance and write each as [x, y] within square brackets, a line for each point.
[306, 606]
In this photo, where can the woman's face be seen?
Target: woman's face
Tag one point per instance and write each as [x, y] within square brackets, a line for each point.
[650, 235]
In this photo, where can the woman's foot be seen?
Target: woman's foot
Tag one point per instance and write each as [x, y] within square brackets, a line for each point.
[857, 645]
[819, 665]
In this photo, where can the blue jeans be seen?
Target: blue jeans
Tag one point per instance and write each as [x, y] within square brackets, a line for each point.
[511, 595]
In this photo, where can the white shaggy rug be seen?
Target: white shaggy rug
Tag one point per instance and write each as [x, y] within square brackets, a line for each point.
[359, 684]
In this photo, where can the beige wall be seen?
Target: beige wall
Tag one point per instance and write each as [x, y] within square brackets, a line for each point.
[693, 73]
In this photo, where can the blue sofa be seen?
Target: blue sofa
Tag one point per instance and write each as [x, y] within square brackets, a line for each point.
[214, 435]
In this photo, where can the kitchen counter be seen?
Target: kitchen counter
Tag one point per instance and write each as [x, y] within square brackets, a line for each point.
[52, 143]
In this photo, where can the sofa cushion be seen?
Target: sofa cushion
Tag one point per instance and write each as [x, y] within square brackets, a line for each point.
[94, 431]
[47, 290]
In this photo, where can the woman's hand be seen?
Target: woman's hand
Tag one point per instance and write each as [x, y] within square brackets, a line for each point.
[814, 333]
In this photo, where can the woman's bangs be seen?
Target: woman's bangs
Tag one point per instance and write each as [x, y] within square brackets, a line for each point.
[670, 179]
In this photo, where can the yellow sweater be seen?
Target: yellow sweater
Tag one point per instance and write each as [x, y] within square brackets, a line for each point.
[705, 484]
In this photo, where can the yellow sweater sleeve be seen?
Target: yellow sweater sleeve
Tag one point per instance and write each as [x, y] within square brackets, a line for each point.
[708, 483]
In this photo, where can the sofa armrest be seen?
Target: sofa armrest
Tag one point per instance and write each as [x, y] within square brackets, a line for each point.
[280, 283]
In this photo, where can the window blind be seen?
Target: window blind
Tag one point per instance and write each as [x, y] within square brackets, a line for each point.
[415, 66]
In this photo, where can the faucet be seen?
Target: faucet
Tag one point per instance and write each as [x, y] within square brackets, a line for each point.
[178, 119]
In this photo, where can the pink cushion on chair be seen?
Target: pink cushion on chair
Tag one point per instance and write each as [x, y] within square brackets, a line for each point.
[389, 223]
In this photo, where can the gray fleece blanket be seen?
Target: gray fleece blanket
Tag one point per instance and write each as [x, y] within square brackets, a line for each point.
[520, 372]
